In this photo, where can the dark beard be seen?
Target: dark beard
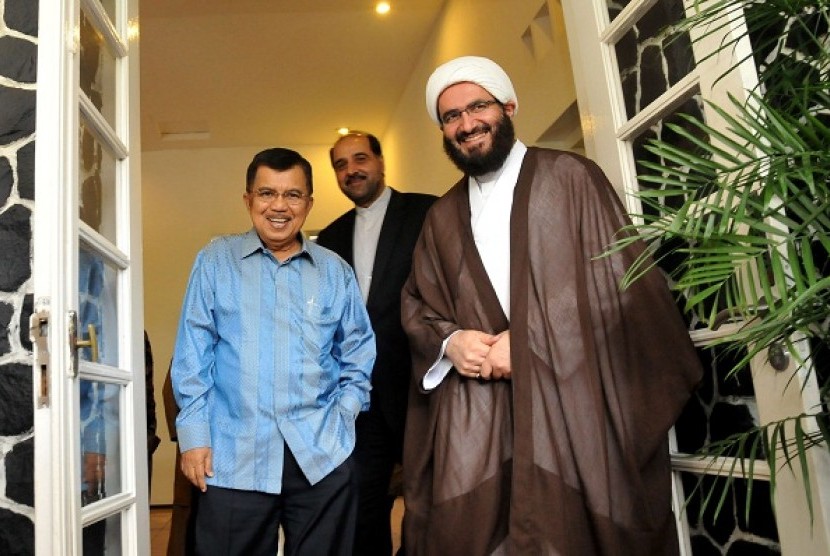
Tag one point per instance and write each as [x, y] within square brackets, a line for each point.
[480, 163]
[369, 196]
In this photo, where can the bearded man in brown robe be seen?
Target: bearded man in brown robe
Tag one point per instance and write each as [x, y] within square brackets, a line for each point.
[543, 393]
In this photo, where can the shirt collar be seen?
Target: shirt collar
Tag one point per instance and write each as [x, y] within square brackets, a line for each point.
[251, 244]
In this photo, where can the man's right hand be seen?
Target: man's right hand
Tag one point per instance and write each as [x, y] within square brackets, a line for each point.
[196, 464]
[467, 350]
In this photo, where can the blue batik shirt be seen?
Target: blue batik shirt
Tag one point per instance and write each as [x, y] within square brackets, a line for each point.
[270, 353]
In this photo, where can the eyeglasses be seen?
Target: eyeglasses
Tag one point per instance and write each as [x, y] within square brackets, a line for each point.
[291, 197]
[477, 107]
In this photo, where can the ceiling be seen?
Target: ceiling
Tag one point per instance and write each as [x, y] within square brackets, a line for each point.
[232, 73]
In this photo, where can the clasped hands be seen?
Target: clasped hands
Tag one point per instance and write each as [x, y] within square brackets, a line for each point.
[476, 354]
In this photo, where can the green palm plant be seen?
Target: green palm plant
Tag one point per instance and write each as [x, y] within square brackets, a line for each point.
[745, 210]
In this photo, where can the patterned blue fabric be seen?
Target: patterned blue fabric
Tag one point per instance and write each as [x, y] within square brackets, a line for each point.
[266, 352]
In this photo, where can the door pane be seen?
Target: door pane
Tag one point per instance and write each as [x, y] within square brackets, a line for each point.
[97, 296]
[660, 131]
[100, 408]
[97, 180]
[652, 58]
[97, 71]
[730, 532]
[103, 537]
[721, 406]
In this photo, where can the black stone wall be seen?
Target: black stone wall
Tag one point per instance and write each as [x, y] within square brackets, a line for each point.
[18, 64]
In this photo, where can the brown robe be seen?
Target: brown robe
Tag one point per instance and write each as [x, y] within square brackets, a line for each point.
[571, 456]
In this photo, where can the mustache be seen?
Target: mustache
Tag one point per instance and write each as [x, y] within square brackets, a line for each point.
[462, 135]
[355, 176]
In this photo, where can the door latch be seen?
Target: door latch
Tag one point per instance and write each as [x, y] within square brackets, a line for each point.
[39, 334]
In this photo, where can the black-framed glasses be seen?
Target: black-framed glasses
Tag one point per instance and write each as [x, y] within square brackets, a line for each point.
[291, 197]
[477, 107]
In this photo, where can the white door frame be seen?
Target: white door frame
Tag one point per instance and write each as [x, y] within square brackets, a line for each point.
[59, 517]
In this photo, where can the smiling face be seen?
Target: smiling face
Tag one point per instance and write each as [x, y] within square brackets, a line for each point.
[276, 220]
[359, 171]
[476, 143]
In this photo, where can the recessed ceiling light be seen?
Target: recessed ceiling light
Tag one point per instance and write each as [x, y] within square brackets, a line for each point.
[343, 130]
[184, 131]
[186, 136]
[383, 8]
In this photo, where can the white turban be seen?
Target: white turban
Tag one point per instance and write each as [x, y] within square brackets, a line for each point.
[473, 69]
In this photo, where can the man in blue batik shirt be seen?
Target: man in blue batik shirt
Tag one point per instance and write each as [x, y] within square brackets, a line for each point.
[272, 364]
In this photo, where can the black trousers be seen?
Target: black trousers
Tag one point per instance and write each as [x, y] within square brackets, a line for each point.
[317, 520]
[378, 449]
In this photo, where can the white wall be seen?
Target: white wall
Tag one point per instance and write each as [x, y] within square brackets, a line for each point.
[189, 196]
[495, 29]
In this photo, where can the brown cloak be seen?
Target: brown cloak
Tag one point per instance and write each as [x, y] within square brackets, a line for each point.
[571, 456]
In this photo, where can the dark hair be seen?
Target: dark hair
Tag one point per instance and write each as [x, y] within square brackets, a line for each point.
[281, 160]
[374, 144]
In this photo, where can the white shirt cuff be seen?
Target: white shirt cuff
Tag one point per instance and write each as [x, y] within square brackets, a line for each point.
[435, 375]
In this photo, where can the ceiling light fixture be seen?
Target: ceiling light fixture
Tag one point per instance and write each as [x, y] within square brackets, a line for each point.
[383, 8]
[184, 131]
[186, 136]
[343, 131]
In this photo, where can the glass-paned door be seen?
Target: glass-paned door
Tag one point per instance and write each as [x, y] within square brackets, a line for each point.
[90, 433]
[643, 74]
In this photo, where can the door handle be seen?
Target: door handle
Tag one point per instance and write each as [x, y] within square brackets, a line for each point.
[778, 357]
[91, 343]
[76, 343]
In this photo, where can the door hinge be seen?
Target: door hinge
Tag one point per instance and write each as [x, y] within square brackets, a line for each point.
[39, 334]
